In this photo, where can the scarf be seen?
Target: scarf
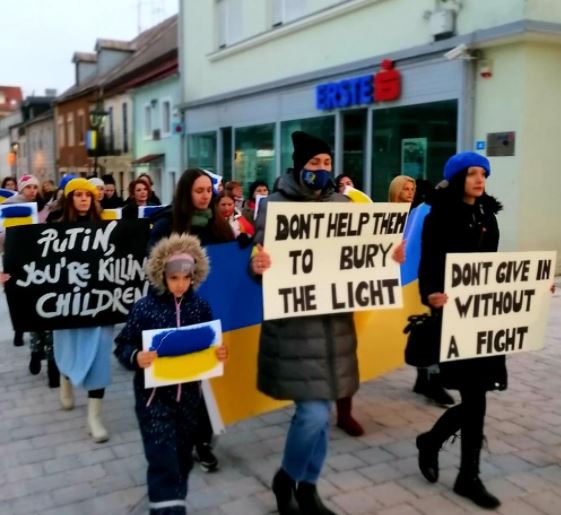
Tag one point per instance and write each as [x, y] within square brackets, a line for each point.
[201, 218]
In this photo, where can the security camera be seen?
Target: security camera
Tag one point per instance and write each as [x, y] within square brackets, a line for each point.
[458, 52]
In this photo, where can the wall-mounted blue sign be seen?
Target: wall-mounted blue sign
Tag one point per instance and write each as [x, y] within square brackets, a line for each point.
[346, 93]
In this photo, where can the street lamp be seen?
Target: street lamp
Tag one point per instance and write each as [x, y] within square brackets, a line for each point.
[97, 119]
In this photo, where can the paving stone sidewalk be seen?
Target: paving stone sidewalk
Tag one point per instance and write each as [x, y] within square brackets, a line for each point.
[48, 464]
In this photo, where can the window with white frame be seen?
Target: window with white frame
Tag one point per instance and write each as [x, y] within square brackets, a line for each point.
[125, 126]
[166, 117]
[70, 128]
[284, 11]
[147, 121]
[81, 123]
[60, 132]
[228, 22]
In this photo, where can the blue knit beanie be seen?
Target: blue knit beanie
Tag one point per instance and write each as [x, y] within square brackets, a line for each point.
[66, 179]
[462, 161]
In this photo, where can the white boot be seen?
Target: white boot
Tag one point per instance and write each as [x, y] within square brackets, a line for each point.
[95, 424]
[66, 393]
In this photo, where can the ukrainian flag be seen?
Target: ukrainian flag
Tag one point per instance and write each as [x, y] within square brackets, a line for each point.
[12, 215]
[6, 194]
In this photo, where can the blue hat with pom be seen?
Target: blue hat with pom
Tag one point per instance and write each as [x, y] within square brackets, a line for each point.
[66, 179]
[462, 161]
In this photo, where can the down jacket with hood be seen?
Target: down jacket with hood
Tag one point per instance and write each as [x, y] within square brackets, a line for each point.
[454, 226]
[306, 358]
[158, 310]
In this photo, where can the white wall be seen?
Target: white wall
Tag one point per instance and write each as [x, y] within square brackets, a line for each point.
[528, 183]
[361, 29]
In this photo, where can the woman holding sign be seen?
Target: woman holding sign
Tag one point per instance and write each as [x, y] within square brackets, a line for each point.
[83, 355]
[310, 360]
[462, 219]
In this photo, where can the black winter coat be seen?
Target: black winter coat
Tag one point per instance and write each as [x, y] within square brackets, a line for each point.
[454, 226]
[306, 358]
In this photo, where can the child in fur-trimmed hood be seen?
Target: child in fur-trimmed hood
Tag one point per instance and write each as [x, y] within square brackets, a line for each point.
[168, 415]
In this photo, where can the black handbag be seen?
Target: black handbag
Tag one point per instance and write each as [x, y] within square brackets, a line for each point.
[423, 342]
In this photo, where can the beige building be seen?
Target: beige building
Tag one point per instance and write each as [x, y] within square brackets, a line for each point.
[467, 75]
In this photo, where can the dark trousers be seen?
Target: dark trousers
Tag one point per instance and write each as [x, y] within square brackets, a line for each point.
[168, 427]
[468, 417]
[204, 428]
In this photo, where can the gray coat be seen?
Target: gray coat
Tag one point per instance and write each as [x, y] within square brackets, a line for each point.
[306, 358]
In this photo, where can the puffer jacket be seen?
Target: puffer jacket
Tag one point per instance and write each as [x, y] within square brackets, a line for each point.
[453, 226]
[306, 358]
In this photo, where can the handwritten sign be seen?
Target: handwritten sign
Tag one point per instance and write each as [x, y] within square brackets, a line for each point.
[497, 303]
[331, 258]
[74, 275]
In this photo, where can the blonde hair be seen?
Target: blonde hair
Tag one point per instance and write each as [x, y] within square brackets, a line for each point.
[397, 185]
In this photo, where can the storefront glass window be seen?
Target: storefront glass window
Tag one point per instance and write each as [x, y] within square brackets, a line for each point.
[254, 154]
[414, 140]
[202, 151]
[323, 127]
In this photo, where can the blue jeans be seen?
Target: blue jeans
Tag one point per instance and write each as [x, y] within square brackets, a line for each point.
[306, 443]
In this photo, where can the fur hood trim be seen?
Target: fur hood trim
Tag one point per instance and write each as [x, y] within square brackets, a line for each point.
[176, 244]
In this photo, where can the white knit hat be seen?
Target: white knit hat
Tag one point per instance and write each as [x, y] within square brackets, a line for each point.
[27, 180]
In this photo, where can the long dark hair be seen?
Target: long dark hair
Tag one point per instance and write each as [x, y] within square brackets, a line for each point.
[183, 208]
[69, 213]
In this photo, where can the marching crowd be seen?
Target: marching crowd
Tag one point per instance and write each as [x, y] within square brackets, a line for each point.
[310, 360]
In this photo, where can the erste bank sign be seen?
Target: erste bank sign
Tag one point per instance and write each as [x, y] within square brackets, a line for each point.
[382, 86]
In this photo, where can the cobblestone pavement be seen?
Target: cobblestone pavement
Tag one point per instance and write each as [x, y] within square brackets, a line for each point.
[48, 464]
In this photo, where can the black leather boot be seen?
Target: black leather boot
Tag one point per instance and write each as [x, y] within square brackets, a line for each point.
[309, 500]
[53, 374]
[35, 363]
[422, 382]
[436, 392]
[18, 338]
[470, 486]
[428, 456]
[284, 488]
[468, 483]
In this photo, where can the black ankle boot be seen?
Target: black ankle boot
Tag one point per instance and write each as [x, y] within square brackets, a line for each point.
[18, 338]
[428, 457]
[472, 488]
[35, 363]
[422, 383]
[309, 501]
[284, 488]
[436, 392]
[53, 374]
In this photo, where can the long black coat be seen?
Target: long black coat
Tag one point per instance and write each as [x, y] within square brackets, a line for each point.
[453, 226]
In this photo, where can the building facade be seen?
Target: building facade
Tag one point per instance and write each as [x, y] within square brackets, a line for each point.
[462, 76]
[158, 134]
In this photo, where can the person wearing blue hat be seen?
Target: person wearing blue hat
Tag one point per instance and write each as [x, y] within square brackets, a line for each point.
[462, 219]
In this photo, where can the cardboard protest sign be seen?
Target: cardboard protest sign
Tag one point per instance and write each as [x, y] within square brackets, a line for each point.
[497, 303]
[332, 258]
[74, 275]
[14, 215]
[185, 354]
